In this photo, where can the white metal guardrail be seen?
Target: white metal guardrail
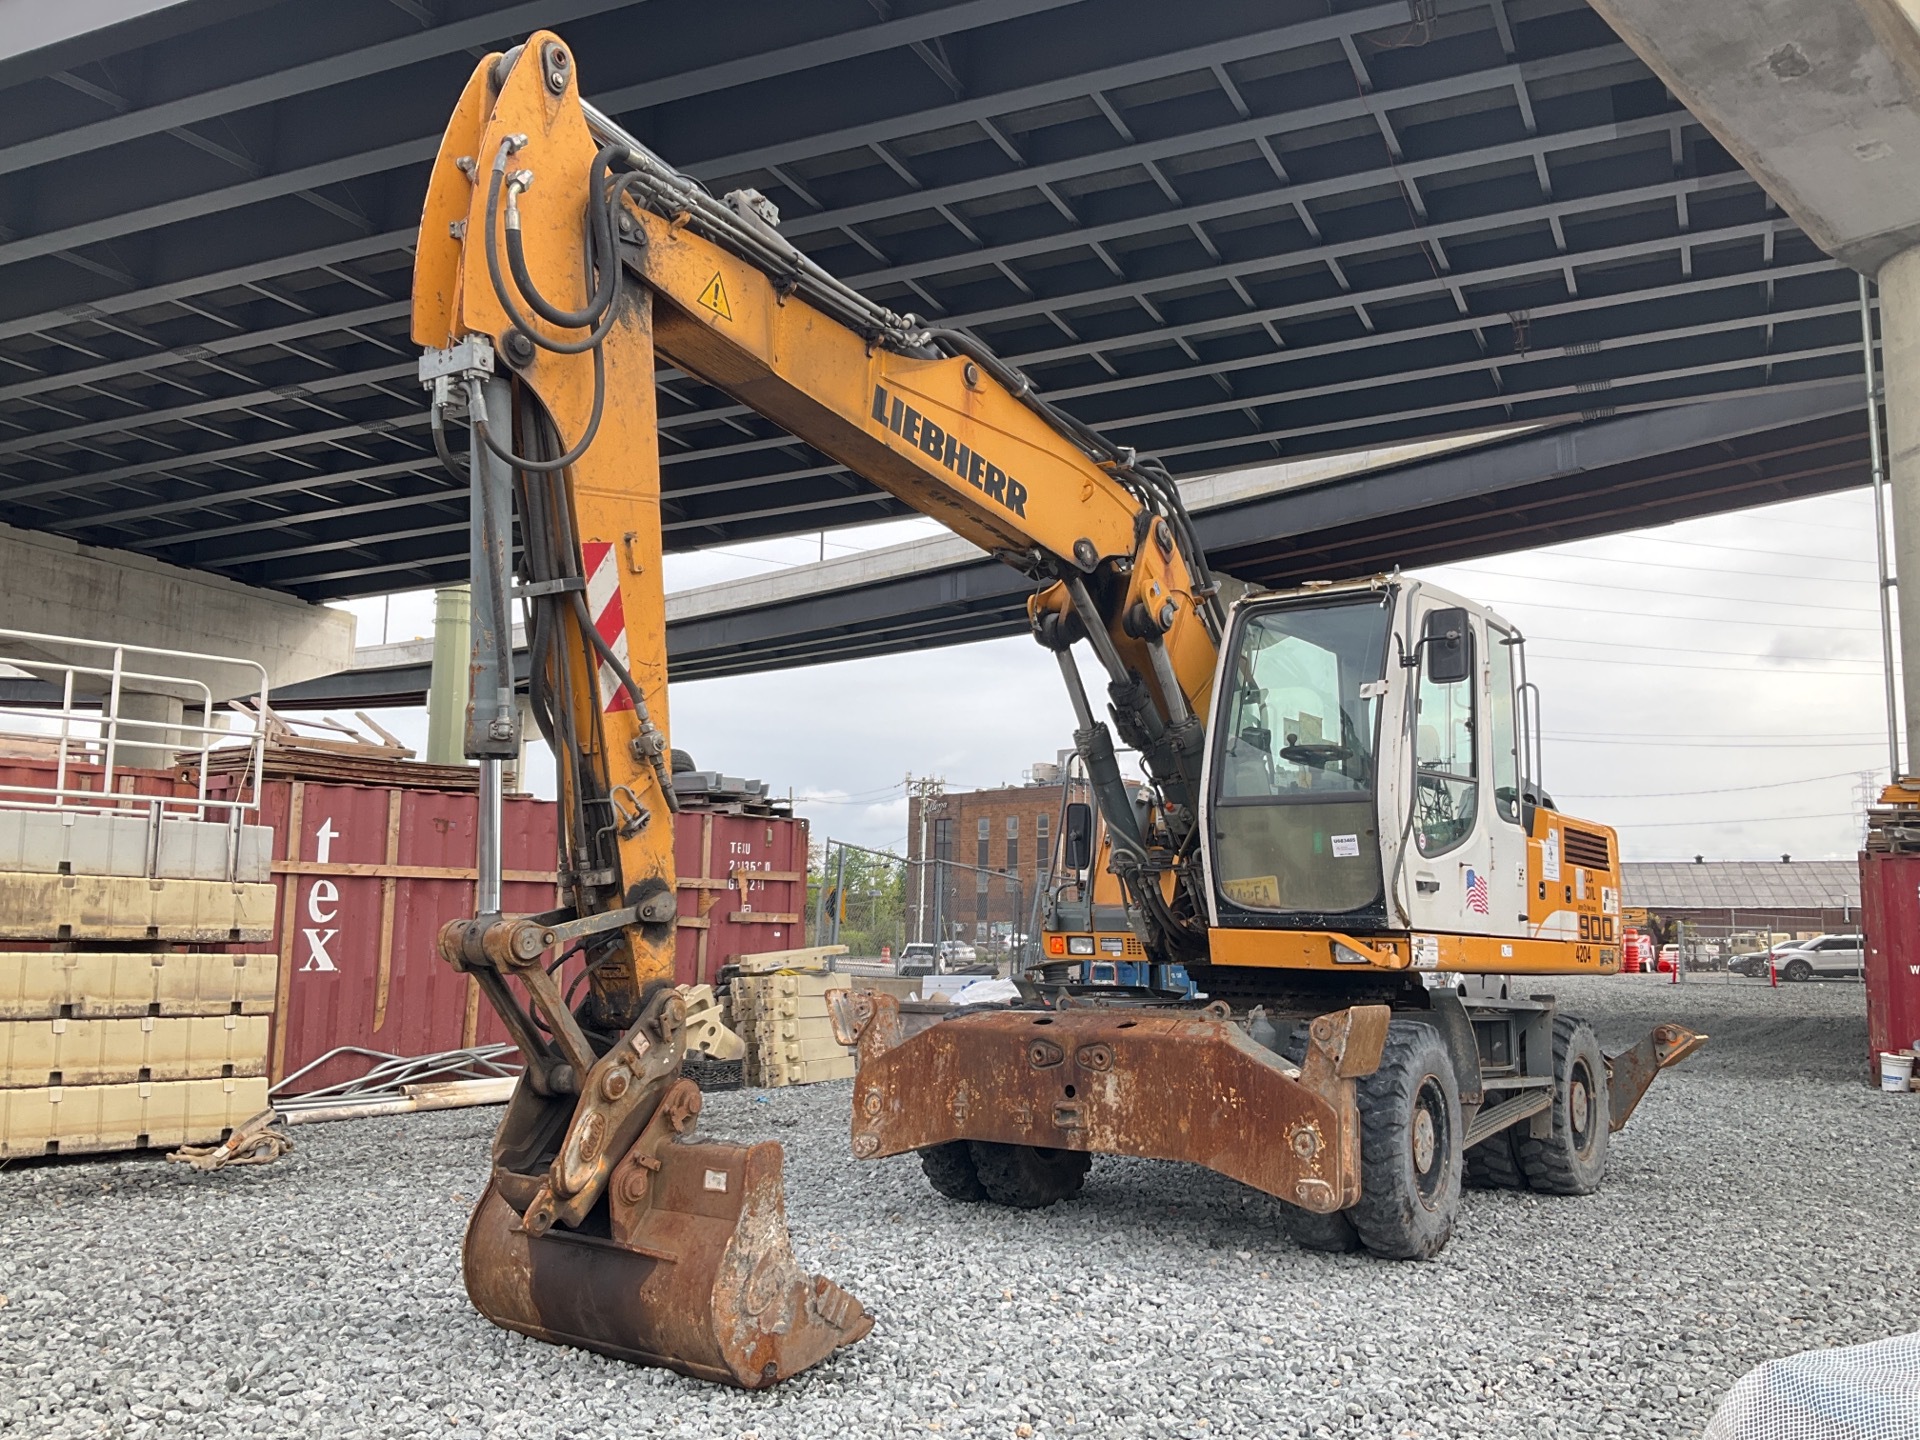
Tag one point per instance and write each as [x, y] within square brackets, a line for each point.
[87, 736]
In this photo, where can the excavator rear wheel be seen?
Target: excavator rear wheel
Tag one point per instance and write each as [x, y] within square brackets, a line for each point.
[1494, 1165]
[1028, 1177]
[1571, 1160]
[1410, 1151]
[949, 1169]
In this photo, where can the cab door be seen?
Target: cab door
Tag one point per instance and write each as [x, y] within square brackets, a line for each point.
[1451, 857]
[1506, 830]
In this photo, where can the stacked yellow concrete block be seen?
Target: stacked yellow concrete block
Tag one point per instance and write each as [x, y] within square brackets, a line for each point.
[103, 1047]
[782, 1017]
[110, 1051]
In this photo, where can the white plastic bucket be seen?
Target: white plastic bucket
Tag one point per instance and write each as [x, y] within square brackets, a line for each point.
[1896, 1069]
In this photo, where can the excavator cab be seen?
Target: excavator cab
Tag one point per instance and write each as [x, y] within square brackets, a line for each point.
[1374, 773]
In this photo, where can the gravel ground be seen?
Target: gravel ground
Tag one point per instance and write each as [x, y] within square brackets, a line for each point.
[1754, 1209]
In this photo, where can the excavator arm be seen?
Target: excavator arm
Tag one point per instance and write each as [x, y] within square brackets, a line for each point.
[560, 264]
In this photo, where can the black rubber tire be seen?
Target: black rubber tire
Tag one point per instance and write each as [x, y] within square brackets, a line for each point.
[949, 1169]
[1796, 971]
[1572, 1160]
[679, 762]
[1409, 1114]
[1494, 1165]
[1027, 1177]
[1333, 1233]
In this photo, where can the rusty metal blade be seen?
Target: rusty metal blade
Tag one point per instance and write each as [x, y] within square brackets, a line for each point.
[700, 1278]
[1631, 1071]
[1163, 1084]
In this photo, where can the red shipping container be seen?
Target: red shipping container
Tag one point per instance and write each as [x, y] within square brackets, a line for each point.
[1890, 905]
[743, 888]
[368, 876]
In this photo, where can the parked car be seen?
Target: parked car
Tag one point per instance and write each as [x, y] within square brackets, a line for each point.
[955, 953]
[1825, 955]
[919, 958]
[1754, 962]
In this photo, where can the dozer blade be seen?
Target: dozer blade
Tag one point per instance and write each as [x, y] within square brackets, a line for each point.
[695, 1271]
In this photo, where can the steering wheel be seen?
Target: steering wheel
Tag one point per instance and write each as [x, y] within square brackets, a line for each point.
[1315, 753]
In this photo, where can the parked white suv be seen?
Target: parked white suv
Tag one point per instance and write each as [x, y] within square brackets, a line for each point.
[1823, 955]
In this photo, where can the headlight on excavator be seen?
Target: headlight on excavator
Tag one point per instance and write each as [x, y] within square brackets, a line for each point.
[1080, 945]
[1347, 955]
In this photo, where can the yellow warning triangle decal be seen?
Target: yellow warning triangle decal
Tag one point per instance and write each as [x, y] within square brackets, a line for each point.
[714, 297]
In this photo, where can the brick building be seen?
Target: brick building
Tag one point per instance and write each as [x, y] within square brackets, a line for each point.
[987, 854]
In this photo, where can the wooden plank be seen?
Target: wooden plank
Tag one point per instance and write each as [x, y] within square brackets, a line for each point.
[470, 1027]
[389, 891]
[764, 917]
[405, 872]
[296, 805]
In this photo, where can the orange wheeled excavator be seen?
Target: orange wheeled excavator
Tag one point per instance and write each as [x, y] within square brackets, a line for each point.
[1342, 838]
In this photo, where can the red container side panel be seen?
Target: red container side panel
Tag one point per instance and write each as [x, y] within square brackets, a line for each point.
[1890, 905]
[36, 774]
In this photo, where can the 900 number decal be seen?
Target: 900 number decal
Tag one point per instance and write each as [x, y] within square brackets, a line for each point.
[1597, 927]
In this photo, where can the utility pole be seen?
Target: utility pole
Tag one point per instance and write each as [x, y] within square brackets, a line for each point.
[927, 790]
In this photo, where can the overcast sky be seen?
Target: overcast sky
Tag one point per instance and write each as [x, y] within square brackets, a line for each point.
[1708, 688]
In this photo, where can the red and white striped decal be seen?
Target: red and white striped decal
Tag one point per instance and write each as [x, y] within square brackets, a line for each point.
[609, 618]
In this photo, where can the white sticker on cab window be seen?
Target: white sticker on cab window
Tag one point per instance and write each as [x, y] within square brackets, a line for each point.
[1346, 847]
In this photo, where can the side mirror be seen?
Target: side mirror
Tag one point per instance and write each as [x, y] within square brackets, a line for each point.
[1448, 645]
[1079, 835]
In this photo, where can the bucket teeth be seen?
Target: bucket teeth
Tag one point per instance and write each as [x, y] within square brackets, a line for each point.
[695, 1272]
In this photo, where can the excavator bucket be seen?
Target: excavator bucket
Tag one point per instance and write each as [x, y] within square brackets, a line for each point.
[690, 1269]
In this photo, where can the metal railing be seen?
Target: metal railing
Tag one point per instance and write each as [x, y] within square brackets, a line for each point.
[87, 736]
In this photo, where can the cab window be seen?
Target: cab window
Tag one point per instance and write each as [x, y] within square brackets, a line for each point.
[1446, 769]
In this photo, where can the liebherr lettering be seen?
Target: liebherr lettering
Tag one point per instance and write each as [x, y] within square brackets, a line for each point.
[969, 464]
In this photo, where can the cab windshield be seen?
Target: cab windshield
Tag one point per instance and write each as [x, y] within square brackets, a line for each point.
[1294, 819]
[1299, 723]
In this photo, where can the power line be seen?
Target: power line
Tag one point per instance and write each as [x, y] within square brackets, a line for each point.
[1723, 820]
[1697, 668]
[1697, 619]
[1694, 650]
[1676, 594]
[1694, 567]
[1720, 790]
[1725, 744]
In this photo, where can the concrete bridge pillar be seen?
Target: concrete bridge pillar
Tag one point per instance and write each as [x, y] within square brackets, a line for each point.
[1899, 280]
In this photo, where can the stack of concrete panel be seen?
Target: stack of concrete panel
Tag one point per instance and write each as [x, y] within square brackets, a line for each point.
[781, 1014]
[115, 1034]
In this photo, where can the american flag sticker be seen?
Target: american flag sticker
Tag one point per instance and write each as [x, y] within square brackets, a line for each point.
[1476, 891]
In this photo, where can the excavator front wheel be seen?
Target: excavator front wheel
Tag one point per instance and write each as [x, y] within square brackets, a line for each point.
[1410, 1147]
[949, 1169]
[1028, 1177]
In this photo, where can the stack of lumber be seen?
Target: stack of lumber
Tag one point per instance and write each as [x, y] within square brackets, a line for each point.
[343, 756]
[1893, 825]
[779, 1009]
